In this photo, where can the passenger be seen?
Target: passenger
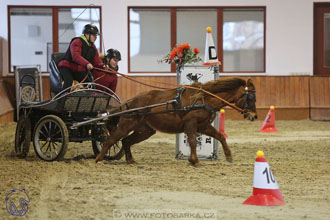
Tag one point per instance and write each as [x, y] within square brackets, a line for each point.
[80, 57]
[108, 80]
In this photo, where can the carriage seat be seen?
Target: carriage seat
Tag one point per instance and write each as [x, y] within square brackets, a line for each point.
[56, 79]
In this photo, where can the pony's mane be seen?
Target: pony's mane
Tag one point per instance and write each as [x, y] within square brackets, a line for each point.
[221, 85]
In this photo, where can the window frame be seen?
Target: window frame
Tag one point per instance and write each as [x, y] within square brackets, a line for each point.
[55, 22]
[173, 39]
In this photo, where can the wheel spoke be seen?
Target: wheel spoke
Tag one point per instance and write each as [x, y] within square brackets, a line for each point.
[47, 147]
[59, 140]
[115, 146]
[55, 130]
[50, 150]
[43, 145]
[50, 129]
[59, 131]
[56, 145]
[55, 148]
[45, 127]
[42, 133]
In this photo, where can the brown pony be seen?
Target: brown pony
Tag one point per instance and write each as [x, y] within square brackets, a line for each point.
[193, 113]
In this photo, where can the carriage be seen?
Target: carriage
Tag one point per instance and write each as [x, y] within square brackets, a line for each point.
[48, 124]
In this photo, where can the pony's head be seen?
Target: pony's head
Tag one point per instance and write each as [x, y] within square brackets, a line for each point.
[247, 101]
[238, 91]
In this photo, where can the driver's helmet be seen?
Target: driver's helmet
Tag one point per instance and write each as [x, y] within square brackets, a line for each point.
[90, 29]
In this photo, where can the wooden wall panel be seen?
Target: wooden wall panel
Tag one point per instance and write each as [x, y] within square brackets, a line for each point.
[7, 117]
[281, 91]
[127, 89]
[320, 98]
[294, 97]
[5, 106]
[289, 95]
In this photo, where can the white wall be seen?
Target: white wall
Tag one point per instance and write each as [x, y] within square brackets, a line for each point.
[289, 28]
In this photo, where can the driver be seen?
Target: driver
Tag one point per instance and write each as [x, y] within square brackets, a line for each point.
[81, 57]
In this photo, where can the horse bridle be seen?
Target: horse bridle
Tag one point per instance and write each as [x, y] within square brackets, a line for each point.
[250, 96]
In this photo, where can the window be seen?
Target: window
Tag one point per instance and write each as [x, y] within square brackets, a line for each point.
[35, 32]
[191, 26]
[149, 39]
[238, 34]
[243, 40]
[31, 31]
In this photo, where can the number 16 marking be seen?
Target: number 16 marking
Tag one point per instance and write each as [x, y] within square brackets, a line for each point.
[269, 174]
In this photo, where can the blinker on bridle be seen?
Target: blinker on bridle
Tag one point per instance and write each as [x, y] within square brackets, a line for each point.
[249, 97]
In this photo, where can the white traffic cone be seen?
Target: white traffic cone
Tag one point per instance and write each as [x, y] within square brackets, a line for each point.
[210, 57]
[265, 188]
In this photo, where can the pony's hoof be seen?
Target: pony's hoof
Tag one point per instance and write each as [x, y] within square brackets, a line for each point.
[98, 158]
[131, 162]
[230, 160]
[197, 165]
[194, 162]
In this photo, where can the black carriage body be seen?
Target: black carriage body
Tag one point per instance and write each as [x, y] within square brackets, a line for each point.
[71, 108]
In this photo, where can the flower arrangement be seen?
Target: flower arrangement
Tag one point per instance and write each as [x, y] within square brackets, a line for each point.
[182, 54]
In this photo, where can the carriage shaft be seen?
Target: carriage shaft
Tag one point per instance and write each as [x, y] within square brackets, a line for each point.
[93, 120]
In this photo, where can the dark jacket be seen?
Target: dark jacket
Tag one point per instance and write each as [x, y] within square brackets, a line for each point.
[79, 54]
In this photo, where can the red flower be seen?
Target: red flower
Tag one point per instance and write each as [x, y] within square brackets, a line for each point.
[196, 51]
[180, 48]
[185, 46]
[173, 53]
[182, 54]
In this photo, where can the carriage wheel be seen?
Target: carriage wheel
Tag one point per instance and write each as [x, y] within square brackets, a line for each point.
[51, 138]
[22, 137]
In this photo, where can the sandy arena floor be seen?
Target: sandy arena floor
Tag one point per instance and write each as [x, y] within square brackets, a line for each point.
[77, 188]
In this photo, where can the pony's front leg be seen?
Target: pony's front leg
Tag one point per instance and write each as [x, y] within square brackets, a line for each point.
[106, 146]
[125, 126]
[190, 130]
[212, 132]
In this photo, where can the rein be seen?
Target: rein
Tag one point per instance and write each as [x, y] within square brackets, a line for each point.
[175, 85]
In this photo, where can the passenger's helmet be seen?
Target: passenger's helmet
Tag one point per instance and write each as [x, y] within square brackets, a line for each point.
[113, 53]
[90, 29]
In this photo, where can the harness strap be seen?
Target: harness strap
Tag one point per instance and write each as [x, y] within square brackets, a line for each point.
[185, 109]
[177, 98]
[200, 107]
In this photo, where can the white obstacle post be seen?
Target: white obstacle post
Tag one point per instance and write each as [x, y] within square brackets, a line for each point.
[207, 147]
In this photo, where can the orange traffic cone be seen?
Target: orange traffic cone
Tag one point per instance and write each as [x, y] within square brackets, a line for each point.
[265, 188]
[222, 123]
[269, 123]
